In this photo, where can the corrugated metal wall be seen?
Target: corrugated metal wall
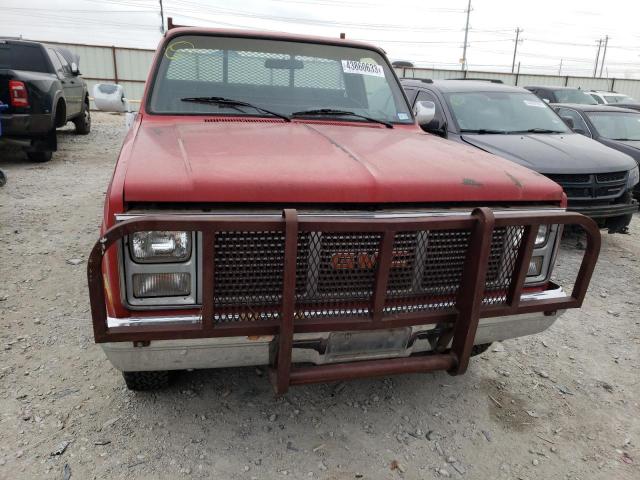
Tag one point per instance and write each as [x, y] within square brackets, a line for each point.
[129, 67]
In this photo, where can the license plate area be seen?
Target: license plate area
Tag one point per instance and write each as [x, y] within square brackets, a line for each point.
[368, 343]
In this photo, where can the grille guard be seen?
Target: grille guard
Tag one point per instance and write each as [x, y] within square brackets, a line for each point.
[463, 317]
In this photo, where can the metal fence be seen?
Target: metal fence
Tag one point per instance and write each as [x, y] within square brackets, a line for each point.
[129, 67]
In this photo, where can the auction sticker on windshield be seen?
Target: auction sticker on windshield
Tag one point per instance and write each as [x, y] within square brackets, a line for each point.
[362, 68]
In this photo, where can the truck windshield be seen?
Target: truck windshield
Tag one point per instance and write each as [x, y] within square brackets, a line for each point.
[616, 126]
[276, 75]
[503, 112]
[16, 56]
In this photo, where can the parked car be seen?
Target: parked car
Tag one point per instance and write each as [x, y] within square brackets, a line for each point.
[611, 97]
[562, 95]
[276, 203]
[618, 128]
[41, 89]
[515, 124]
[631, 106]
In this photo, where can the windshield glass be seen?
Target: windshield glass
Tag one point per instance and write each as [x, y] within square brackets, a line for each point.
[618, 99]
[571, 95]
[277, 75]
[504, 112]
[616, 126]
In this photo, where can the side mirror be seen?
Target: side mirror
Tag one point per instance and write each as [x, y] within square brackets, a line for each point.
[569, 122]
[74, 68]
[580, 131]
[109, 97]
[425, 111]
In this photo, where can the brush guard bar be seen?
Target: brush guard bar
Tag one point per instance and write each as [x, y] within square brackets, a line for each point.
[462, 318]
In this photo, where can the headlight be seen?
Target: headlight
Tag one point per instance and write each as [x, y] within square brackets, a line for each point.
[535, 267]
[634, 177]
[160, 247]
[148, 285]
[541, 237]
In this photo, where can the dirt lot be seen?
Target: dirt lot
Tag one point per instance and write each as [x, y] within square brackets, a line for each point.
[560, 405]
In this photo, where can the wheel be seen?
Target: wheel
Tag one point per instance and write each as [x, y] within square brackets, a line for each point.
[83, 122]
[480, 349]
[142, 381]
[3, 179]
[40, 156]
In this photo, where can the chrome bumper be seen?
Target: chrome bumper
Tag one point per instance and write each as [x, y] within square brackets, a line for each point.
[245, 351]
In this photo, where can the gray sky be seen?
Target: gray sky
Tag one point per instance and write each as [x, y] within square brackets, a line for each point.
[428, 33]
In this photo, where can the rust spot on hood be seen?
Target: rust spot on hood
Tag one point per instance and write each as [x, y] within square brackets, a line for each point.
[514, 180]
[471, 182]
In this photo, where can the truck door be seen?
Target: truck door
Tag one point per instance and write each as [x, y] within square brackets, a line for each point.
[71, 85]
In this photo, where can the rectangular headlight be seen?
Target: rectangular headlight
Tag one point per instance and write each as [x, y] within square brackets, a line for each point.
[541, 237]
[148, 285]
[160, 247]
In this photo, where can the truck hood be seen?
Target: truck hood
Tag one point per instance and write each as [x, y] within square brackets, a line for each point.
[553, 153]
[265, 161]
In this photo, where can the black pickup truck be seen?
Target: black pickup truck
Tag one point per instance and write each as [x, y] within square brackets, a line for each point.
[40, 90]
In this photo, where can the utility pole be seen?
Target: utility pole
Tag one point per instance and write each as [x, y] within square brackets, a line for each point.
[560, 69]
[595, 67]
[161, 18]
[604, 53]
[515, 49]
[463, 61]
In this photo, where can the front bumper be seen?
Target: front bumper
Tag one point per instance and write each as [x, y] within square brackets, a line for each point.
[447, 313]
[246, 351]
[605, 211]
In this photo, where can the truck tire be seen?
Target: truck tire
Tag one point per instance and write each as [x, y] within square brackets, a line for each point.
[83, 122]
[145, 381]
[479, 349]
[40, 156]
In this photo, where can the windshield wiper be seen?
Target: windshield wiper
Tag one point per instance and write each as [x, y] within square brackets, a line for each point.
[228, 102]
[537, 130]
[625, 139]
[340, 113]
[481, 131]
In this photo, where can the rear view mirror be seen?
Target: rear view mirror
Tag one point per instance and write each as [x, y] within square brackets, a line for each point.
[568, 121]
[425, 111]
[109, 97]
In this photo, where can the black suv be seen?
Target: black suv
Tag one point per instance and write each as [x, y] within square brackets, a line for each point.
[515, 124]
[562, 95]
[615, 127]
[40, 90]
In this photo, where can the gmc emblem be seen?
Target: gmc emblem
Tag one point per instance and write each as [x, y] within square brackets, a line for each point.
[368, 261]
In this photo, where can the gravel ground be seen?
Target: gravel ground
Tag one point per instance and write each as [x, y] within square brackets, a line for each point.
[560, 405]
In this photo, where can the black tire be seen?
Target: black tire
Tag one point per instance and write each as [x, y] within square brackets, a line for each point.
[479, 349]
[83, 122]
[145, 381]
[3, 179]
[40, 156]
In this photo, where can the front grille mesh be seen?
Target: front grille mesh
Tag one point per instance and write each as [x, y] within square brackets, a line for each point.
[597, 186]
[335, 272]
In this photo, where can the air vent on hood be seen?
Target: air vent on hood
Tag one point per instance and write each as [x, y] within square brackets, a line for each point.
[242, 120]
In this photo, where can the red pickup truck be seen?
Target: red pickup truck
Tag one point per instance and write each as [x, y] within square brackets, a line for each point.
[276, 203]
